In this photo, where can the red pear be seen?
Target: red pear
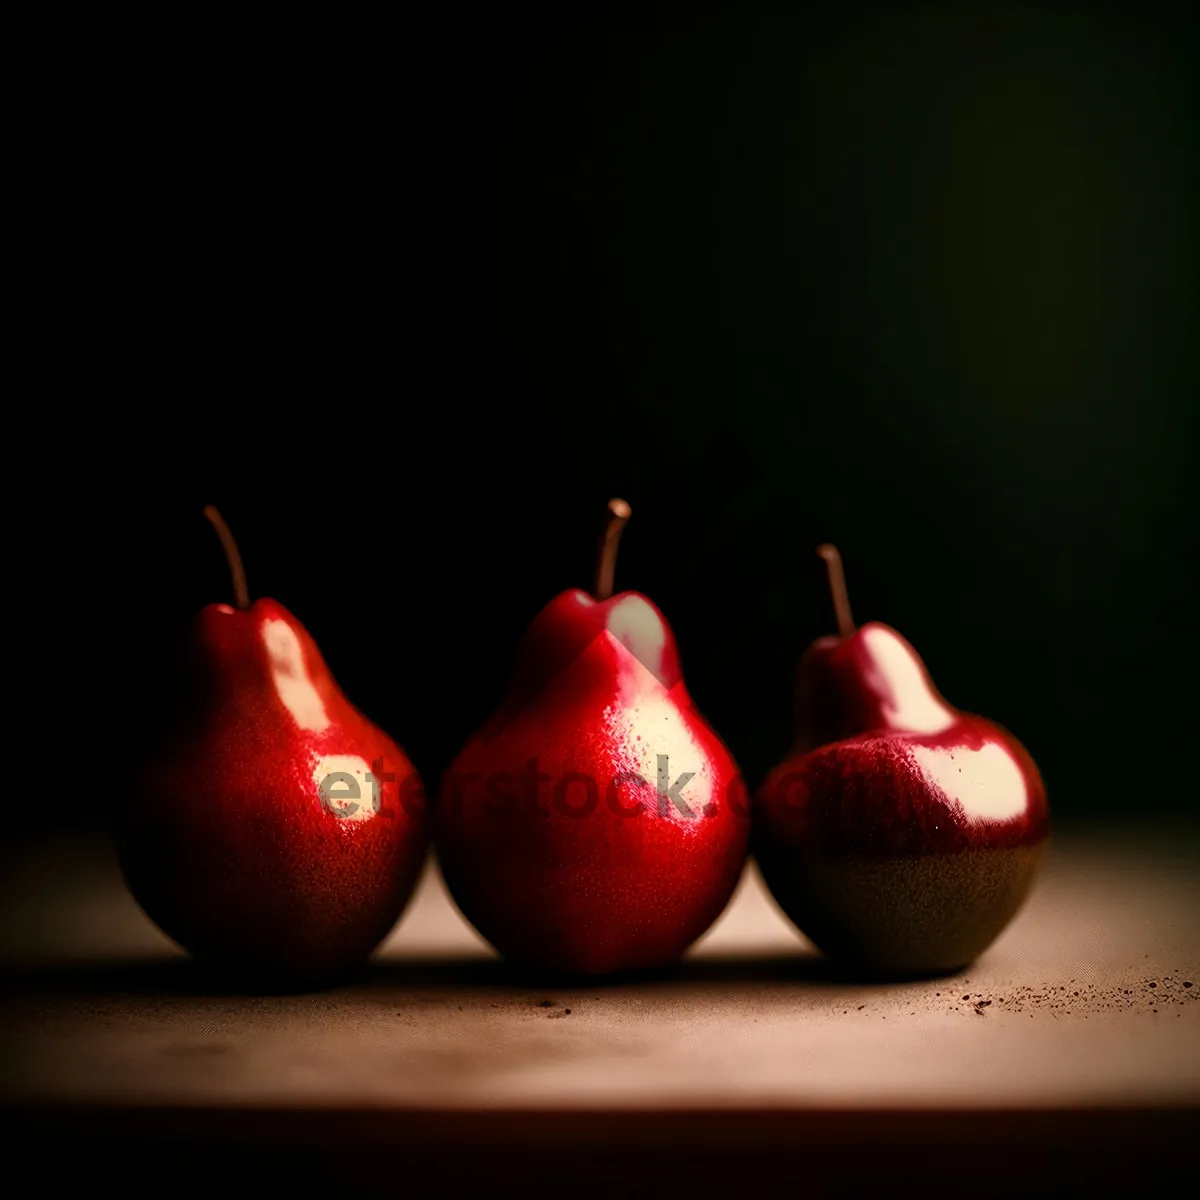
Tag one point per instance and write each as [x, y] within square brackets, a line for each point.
[278, 830]
[596, 823]
[900, 835]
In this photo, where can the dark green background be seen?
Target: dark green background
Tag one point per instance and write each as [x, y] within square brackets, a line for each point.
[410, 291]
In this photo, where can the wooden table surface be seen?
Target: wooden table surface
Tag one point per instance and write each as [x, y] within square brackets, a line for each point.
[1075, 1040]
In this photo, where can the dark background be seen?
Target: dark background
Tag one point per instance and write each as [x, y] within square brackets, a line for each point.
[410, 291]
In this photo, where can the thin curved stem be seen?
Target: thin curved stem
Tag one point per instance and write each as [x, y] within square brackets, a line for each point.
[618, 513]
[241, 594]
[837, 586]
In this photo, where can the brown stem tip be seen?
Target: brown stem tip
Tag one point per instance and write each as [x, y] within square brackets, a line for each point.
[618, 513]
[837, 586]
[241, 595]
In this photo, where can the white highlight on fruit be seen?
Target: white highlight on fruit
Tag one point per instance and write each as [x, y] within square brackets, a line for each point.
[910, 691]
[337, 794]
[649, 712]
[291, 678]
[633, 620]
[987, 782]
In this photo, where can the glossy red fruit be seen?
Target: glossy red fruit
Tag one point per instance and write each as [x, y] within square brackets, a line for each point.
[596, 823]
[901, 835]
[279, 829]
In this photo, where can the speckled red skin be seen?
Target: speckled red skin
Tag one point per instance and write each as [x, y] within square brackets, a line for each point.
[553, 877]
[226, 842]
[865, 797]
[858, 787]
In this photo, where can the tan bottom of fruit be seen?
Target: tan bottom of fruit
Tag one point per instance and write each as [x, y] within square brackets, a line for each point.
[923, 915]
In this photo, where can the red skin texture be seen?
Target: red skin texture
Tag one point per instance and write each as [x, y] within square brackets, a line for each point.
[873, 776]
[227, 843]
[869, 798]
[572, 875]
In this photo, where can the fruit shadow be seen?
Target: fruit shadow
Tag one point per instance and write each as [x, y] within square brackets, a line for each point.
[497, 973]
[183, 976]
[802, 969]
[176, 976]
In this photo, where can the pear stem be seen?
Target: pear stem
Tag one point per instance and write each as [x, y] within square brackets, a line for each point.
[241, 594]
[837, 586]
[618, 513]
